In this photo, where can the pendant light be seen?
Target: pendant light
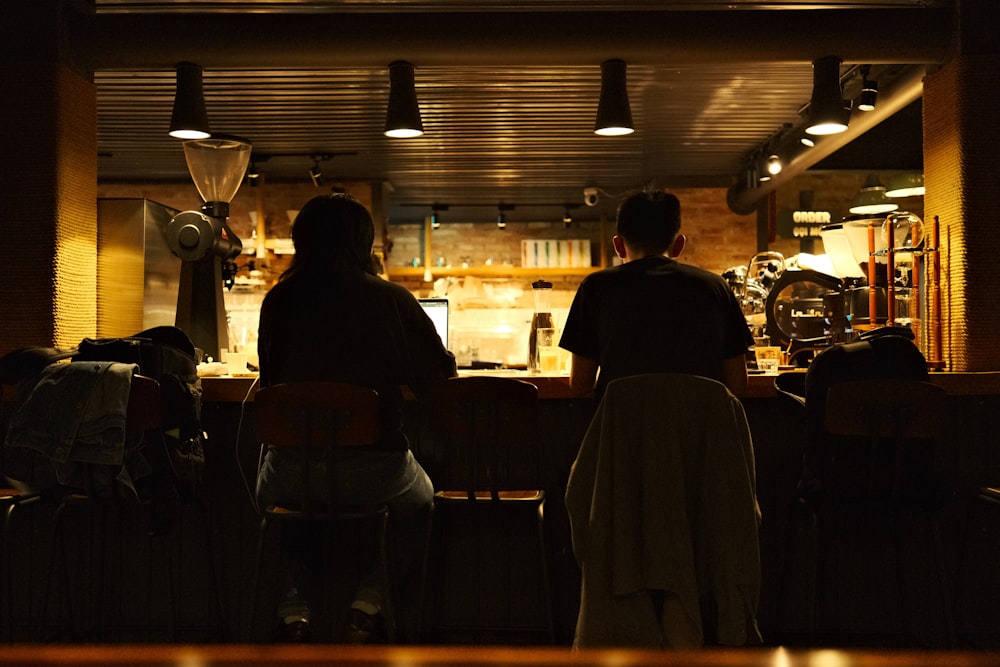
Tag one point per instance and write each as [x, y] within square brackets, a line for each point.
[907, 184]
[189, 119]
[871, 198]
[829, 112]
[402, 117]
[614, 116]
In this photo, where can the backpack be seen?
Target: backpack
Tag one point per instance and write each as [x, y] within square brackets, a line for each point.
[166, 354]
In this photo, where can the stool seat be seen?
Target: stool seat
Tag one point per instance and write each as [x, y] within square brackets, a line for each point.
[315, 419]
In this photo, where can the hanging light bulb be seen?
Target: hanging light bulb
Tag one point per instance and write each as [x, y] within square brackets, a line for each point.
[614, 115]
[189, 119]
[402, 117]
[828, 112]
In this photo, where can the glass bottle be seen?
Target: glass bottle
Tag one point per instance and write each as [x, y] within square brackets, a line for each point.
[541, 319]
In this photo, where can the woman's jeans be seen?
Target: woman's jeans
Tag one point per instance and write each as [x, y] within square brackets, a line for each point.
[363, 477]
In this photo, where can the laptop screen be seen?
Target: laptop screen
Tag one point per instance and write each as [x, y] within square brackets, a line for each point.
[437, 310]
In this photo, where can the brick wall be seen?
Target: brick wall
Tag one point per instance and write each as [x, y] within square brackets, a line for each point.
[717, 238]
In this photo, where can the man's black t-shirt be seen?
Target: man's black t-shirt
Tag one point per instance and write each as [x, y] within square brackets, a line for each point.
[655, 315]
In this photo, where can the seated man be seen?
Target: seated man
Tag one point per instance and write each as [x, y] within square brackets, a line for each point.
[654, 314]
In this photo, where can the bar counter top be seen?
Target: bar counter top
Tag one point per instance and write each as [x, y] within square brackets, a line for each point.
[226, 389]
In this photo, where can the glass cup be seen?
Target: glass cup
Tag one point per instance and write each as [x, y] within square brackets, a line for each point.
[236, 363]
[548, 350]
[768, 358]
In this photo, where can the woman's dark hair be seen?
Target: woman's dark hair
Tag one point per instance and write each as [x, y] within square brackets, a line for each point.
[332, 233]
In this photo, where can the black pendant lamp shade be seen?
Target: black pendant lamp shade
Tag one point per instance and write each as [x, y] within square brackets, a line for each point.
[614, 115]
[189, 119]
[828, 112]
[402, 117]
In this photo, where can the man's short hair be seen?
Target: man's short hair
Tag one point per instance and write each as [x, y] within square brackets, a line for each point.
[649, 220]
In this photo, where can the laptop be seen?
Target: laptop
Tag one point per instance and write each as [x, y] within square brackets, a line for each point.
[437, 310]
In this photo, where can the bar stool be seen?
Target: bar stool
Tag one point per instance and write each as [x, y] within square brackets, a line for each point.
[481, 450]
[318, 420]
[883, 439]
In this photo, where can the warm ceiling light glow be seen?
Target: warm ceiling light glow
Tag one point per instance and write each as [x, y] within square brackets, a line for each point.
[910, 184]
[402, 116]
[869, 92]
[774, 165]
[614, 115]
[189, 119]
[828, 112]
[871, 198]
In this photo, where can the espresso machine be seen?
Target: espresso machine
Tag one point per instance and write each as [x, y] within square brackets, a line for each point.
[204, 241]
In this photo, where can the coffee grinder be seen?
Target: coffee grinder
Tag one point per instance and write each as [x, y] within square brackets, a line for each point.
[204, 241]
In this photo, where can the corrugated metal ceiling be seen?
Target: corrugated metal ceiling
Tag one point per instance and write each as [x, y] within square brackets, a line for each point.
[517, 133]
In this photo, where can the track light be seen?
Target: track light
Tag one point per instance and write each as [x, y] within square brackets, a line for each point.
[614, 115]
[435, 214]
[829, 112]
[774, 164]
[502, 216]
[871, 198]
[253, 175]
[316, 174]
[402, 116]
[189, 119]
[869, 91]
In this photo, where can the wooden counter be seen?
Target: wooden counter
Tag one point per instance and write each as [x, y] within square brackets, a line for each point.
[225, 389]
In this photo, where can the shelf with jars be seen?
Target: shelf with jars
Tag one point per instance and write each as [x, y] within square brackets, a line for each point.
[517, 257]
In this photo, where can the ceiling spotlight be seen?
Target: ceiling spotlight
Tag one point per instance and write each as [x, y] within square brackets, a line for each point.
[316, 174]
[402, 116]
[871, 198]
[807, 141]
[614, 115]
[253, 175]
[829, 112]
[189, 119]
[435, 214]
[869, 91]
[909, 184]
[774, 164]
[501, 215]
[567, 218]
